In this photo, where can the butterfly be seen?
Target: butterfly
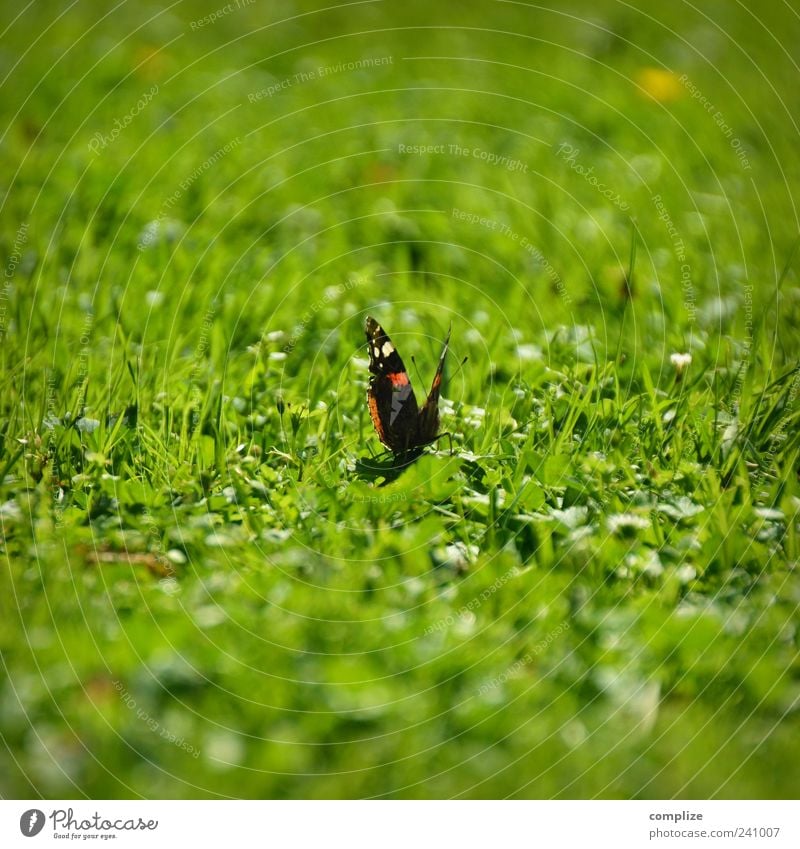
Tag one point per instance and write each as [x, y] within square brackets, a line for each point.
[400, 424]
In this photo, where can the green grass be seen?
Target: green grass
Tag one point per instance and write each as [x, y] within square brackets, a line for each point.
[214, 584]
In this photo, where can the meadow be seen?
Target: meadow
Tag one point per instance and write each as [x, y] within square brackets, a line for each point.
[217, 583]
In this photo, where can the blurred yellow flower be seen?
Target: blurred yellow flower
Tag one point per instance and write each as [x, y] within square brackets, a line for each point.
[659, 84]
[151, 62]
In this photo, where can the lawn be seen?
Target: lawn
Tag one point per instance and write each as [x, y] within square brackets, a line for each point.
[217, 583]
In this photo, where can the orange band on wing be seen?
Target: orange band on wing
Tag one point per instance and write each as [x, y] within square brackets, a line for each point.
[376, 418]
[399, 378]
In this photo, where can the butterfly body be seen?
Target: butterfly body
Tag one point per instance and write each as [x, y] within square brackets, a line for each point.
[402, 426]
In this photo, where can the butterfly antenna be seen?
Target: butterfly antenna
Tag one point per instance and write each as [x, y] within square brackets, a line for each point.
[460, 366]
[416, 368]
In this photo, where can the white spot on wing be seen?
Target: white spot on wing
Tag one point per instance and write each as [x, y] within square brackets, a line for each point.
[388, 348]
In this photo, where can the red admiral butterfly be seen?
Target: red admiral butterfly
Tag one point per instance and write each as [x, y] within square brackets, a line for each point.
[400, 424]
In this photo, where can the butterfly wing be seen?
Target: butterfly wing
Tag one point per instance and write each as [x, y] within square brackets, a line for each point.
[391, 399]
[428, 421]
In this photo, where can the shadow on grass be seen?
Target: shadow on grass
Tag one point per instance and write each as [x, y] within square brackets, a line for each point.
[385, 468]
